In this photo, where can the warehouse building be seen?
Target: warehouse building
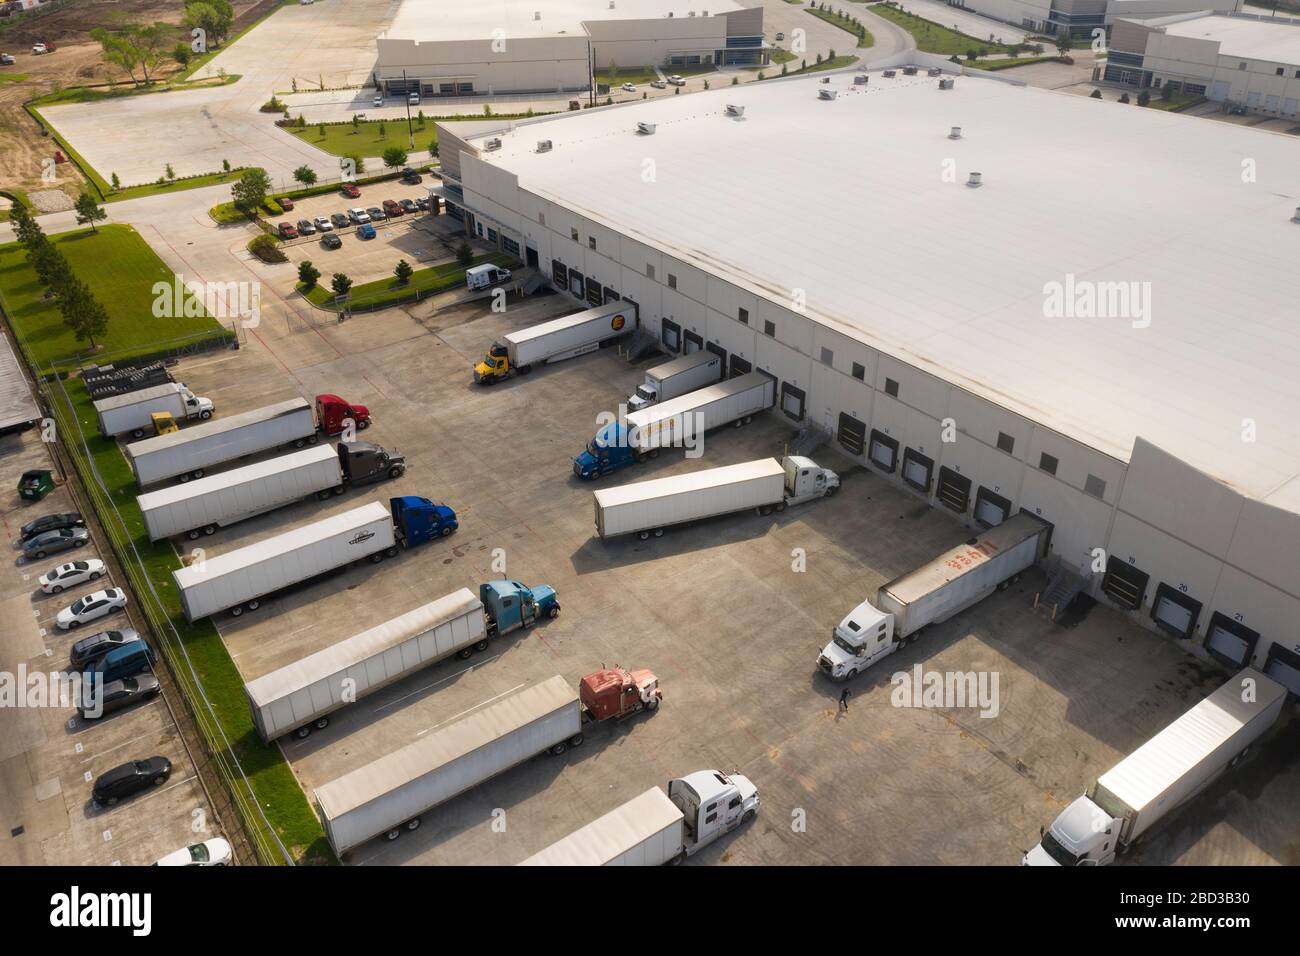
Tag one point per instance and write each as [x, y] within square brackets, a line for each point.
[1081, 17]
[1104, 341]
[1240, 59]
[522, 46]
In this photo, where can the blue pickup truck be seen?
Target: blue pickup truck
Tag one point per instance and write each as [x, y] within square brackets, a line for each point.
[510, 605]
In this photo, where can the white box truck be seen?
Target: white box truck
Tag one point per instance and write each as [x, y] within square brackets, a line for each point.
[932, 594]
[671, 379]
[299, 696]
[680, 421]
[555, 341]
[646, 508]
[652, 829]
[387, 796]
[187, 454]
[132, 413]
[1165, 772]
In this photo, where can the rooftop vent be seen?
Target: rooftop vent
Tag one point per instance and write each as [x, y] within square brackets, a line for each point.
[691, 14]
[826, 94]
[537, 15]
[974, 180]
[909, 71]
[955, 133]
[1296, 217]
[826, 79]
[611, 4]
[543, 145]
[861, 79]
[933, 71]
[493, 143]
[734, 110]
[890, 74]
[646, 129]
[945, 83]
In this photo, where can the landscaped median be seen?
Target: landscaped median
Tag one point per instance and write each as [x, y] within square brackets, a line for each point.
[372, 137]
[383, 293]
[845, 21]
[933, 37]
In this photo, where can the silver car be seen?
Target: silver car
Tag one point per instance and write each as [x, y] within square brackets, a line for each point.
[52, 542]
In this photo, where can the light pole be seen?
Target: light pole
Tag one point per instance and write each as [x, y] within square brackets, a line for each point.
[410, 130]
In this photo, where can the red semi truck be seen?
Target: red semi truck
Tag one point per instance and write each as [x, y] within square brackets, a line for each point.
[332, 414]
[617, 693]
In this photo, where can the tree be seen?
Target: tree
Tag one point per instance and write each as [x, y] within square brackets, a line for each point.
[394, 156]
[118, 50]
[305, 175]
[1144, 98]
[307, 275]
[89, 211]
[181, 53]
[1063, 42]
[169, 172]
[151, 45]
[116, 183]
[403, 272]
[225, 165]
[433, 148]
[341, 285]
[50, 267]
[465, 254]
[249, 191]
[1123, 98]
[213, 17]
[82, 313]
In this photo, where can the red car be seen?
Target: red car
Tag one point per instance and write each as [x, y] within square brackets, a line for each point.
[288, 231]
[392, 208]
[286, 204]
[350, 190]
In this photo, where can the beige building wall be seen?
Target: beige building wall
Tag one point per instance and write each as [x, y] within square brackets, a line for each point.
[638, 43]
[537, 65]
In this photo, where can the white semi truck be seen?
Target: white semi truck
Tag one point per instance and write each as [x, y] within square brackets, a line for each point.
[646, 508]
[672, 379]
[1165, 772]
[388, 795]
[932, 594]
[657, 828]
[132, 413]
[188, 454]
[554, 341]
[299, 696]
[680, 421]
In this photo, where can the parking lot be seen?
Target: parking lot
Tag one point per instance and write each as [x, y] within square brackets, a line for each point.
[720, 613]
[49, 756]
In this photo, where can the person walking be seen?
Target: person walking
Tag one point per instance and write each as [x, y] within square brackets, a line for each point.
[844, 699]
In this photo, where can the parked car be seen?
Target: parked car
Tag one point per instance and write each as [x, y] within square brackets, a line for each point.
[366, 231]
[629, 87]
[351, 190]
[409, 205]
[130, 778]
[392, 208]
[6, 60]
[128, 660]
[359, 216]
[88, 650]
[331, 241]
[323, 224]
[676, 80]
[376, 214]
[287, 231]
[52, 542]
[379, 99]
[306, 3]
[659, 84]
[422, 202]
[214, 852]
[780, 36]
[340, 220]
[413, 99]
[40, 49]
[71, 574]
[55, 522]
[91, 607]
[411, 177]
[118, 695]
[306, 227]
[285, 203]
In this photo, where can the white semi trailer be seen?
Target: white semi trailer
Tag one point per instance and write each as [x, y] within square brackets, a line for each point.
[672, 379]
[189, 453]
[646, 508]
[132, 412]
[1165, 772]
[554, 341]
[932, 594]
[388, 795]
[653, 829]
[299, 696]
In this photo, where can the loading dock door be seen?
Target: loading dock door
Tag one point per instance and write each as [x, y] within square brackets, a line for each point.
[1174, 611]
[991, 509]
[1220, 91]
[954, 490]
[792, 401]
[1284, 667]
[694, 341]
[852, 434]
[1231, 648]
[670, 334]
[1124, 584]
[917, 469]
[884, 451]
[719, 351]
[740, 366]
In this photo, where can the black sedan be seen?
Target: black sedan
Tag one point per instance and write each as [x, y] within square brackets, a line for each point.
[409, 205]
[331, 241]
[130, 778]
[69, 519]
[340, 220]
[117, 694]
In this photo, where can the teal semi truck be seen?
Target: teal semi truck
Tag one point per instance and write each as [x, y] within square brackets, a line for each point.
[510, 605]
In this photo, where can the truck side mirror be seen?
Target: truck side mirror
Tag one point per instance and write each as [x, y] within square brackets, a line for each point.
[1042, 831]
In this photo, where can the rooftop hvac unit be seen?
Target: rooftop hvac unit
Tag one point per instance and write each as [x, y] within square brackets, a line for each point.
[493, 143]
[945, 83]
[543, 145]
[909, 71]
[954, 133]
[537, 14]
[611, 4]
[691, 14]
[826, 79]
[1296, 217]
[734, 110]
[826, 94]
[974, 180]
[890, 74]
[861, 79]
[644, 128]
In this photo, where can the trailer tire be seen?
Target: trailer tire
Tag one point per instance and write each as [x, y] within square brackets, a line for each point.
[377, 557]
[300, 443]
[303, 732]
[643, 535]
[313, 439]
[654, 452]
[525, 369]
[464, 653]
[193, 533]
[1238, 759]
[738, 423]
[393, 834]
[196, 474]
[339, 489]
[481, 646]
[138, 433]
[210, 529]
[659, 532]
[322, 723]
[780, 506]
[183, 478]
[236, 610]
[576, 740]
[396, 471]
[391, 552]
[323, 495]
[413, 823]
[254, 605]
[765, 510]
[558, 749]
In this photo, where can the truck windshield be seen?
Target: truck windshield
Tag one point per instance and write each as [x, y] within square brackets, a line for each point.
[844, 645]
[645, 394]
[595, 450]
[1057, 852]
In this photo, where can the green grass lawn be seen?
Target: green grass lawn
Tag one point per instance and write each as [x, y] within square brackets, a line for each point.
[833, 64]
[120, 269]
[931, 37]
[780, 56]
[1009, 63]
[1175, 103]
[385, 292]
[365, 139]
[12, 77]
[617, 78]
[865, 40]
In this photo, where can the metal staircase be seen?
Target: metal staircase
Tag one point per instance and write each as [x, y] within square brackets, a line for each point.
[1062, 587]
[641, 345]
[809, 438]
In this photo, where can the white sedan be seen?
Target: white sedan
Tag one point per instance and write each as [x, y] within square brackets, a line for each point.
[629, 87]
[214, 852]
[71, 574]
[323, 224]
[91, 607]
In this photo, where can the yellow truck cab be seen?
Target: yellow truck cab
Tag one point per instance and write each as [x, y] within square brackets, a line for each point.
[163, 423]
[494, 367]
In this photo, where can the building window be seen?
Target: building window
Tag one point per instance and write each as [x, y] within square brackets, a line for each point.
[1006, 443]
[447, 89]
[1280, 71]
[672, 281]
[1241, 66]
[769, 328]
[591, 242]
[510, 246]
[891, 388]
[573, 234]
[743, 315]
[649, 271]
[541, 218]
[828, 357]
[1095, 486]
[492, 235]
[465, 87]
[1047, 463]
[859, 372]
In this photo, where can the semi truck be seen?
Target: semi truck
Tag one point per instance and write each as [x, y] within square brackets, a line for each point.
[646, 508]
[932, 594]
[132, 413]
[388, 795]
[301, 696]
[671, 379]
[510, 605]
[678, 421]
[201, 507]
[555, 341]
[187, 455]
[1125, 802]
[653, 829]
[239, 580]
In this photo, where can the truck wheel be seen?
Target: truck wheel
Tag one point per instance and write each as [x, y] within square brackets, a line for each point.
[559, 748]
[205, 414]
[254, 605]
[780, 506]
[554, 612]
[183, 478]
[481, 646]
[391, 552]
[210, 529]
[659, 532]
[525, 369]
[299, 443]
[138, 433]
[322, 723]
[765, 510]
[393, 834]
[302, 733]
[396, 471]
[236, 610]
[323, 495]
[748, 815]
[413, 823]
[830, 492]
[737, 423]
[362, 426]
[654, 452]
[196, 474]
[652, 704]
[447, 530]
[313, 439]
[194, 534]
[641, 457]
[643, 535]
[377, 557]
[339, 490]
[576, 740]
[464, 653]
[748, 419]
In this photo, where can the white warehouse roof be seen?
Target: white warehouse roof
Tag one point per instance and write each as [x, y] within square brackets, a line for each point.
[1277, 41]
[477, 20]
[846, 199]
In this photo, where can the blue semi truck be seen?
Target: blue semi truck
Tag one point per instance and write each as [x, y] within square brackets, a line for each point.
[510, 605]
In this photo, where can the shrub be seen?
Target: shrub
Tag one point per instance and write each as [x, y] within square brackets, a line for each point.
[1144, 98]
[464, 254]
[267, 248]
[307, 275]
[1123, 98]
[1096, 94]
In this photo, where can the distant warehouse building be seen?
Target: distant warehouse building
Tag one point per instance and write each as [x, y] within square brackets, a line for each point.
[1081, 17]
[1102, 333]
[1244, 60]
[525, 46]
